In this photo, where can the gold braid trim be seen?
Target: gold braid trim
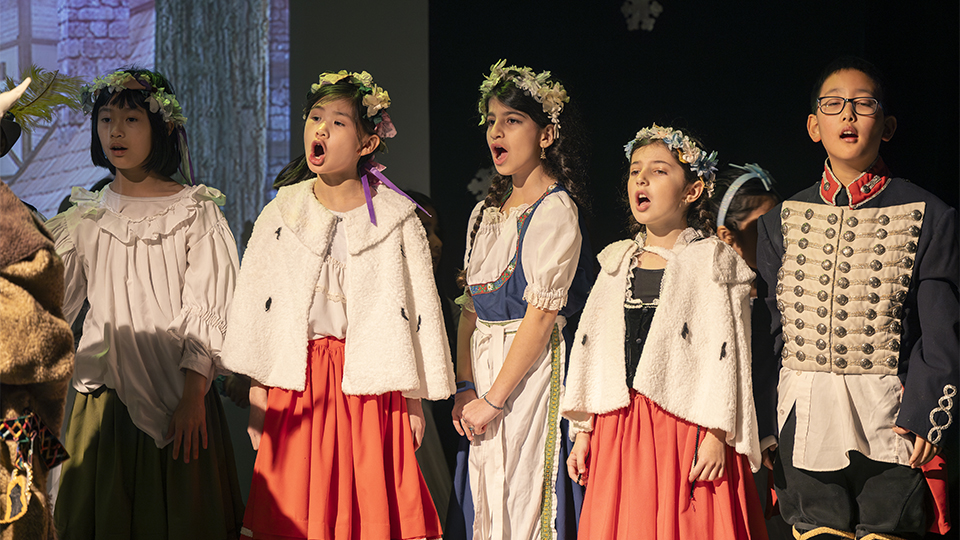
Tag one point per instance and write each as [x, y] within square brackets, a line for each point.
[822, 530]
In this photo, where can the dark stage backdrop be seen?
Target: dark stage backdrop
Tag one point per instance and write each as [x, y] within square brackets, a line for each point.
[738, 74]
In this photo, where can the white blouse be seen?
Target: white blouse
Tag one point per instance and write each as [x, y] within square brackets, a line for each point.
[551, 249]
[159, 273]
[328, 313]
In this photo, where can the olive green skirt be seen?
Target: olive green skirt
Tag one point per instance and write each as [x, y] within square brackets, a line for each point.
[118, 484]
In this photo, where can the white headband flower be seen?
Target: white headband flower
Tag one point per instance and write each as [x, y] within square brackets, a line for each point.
[550, 94]
[702, 164]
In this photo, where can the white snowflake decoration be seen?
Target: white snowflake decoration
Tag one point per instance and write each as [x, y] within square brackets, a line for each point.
[480, 184]
[641, 14]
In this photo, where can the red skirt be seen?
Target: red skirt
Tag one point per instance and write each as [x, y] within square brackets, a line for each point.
[637, 487]
[337, 466]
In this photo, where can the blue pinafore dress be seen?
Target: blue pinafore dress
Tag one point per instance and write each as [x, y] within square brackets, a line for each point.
[512, 482]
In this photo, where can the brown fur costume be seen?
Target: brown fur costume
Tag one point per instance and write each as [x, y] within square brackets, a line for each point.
[36, 349]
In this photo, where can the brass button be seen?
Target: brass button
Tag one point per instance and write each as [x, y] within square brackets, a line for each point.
[881, 233]
[876, 265]
[847, 251]
[840, 348]
[821, 344]
[842, 299]
[803, 243]
[852, 221]
[808, 214]
[801, 259]
[840, 363]
[821, 329]
[798, 323]
[798, 290]
[883, 219]
[826, 265]
[799, 307]
[840, 331]
[805, 228]
[879, 249]
[785, 213]
[843, 283]
[824, 279]
[828, 249]
[832, 219]
[821, 359]
[841, 315]
[822, 312]
[830, 233]
[799, 275]
[844, 267]
[849, 236]
[867, 348]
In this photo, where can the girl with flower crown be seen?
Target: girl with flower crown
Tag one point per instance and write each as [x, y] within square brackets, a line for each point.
[157, 262]
[338, 323]
[658, 390]
[525, 274]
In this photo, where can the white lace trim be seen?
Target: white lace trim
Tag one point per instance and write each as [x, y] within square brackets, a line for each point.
[545, 299]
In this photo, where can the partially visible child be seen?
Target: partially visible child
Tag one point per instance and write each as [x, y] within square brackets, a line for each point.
[338, 324]
[157, 262]
[742, 195]
[659, 382]
[865, 314]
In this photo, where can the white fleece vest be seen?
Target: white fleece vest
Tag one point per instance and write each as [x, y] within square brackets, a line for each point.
[395, 336]
[696, 358]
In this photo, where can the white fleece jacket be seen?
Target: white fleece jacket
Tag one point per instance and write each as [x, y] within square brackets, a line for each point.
[696, 358]
[395, 334]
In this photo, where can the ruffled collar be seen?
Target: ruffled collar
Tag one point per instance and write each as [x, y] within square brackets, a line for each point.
[183, 206]
[867, 186]
[612, 256]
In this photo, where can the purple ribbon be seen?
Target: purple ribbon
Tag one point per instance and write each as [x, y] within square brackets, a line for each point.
[374, 168]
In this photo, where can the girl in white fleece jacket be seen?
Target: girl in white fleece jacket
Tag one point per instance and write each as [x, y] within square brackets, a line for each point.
[659, 390]
[337, 321]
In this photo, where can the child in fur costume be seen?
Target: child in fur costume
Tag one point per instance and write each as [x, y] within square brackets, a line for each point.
[36, 360]
[667, 418]
[338, 323]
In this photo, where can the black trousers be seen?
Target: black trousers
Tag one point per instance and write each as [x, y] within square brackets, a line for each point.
[865, 497]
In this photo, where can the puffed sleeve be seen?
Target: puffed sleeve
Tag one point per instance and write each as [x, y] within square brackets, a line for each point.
[208, 283]
[64, 229]
[551, 250]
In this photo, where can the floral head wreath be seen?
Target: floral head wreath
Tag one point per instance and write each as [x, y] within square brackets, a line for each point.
[158, 100]
[702, 164]
[550, 94]
[375, 99]
[751, 170]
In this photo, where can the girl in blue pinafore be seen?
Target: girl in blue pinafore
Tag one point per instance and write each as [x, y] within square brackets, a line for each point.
[525, 275]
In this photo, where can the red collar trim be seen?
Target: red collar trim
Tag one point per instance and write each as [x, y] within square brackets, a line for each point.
[867, 186]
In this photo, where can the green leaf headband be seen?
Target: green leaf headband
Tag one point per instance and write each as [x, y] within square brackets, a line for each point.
[158, 99]
[375, 99]
[702, 164]
[551, 95]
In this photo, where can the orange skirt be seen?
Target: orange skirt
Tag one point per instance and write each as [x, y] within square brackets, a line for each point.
[337, 466]
[637, 487]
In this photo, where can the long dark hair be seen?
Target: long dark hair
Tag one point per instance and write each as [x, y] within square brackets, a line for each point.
[297, 170]
[164, 157]
[699, 214]
[564, 161]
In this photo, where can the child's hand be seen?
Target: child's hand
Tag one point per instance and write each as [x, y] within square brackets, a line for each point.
[189, 426]
[418, 423]
[767, 456]
[923, 450]
[7, 99]
[577, 462]
[711, 458]
[459, 401]
[476, 415]
[258, 411]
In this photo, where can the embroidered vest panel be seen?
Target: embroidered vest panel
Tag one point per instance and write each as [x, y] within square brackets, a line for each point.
[842, 283]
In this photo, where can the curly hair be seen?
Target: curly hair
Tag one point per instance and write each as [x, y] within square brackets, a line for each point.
[699, 214]
[564, 159]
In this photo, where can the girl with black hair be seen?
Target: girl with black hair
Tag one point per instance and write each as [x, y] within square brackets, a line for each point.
[157, 262]
[659, 392]
[338, 324]
[525, 274]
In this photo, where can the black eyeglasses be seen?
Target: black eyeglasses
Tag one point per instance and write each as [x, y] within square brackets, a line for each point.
[832, 105]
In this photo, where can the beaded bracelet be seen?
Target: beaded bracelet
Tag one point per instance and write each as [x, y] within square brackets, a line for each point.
[484, 396]
[463, 386]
